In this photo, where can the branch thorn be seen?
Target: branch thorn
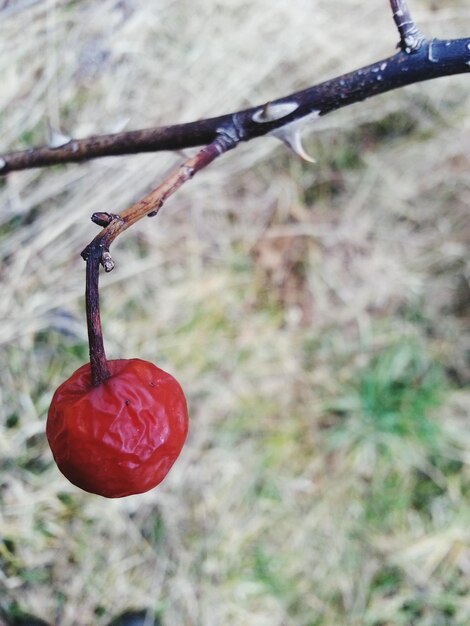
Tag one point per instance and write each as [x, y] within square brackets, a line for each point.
[293, 140]
[290, 135]
[57, 139]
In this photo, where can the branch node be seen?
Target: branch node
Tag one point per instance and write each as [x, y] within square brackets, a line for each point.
[231, 132]
[411, 38]
[188, 170]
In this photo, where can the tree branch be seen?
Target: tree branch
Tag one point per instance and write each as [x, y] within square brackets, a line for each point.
[418, 60]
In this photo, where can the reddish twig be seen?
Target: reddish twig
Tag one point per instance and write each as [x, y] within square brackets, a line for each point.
[97, 252]
[150, 204]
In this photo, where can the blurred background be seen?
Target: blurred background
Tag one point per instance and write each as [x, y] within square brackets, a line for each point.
[317, 317]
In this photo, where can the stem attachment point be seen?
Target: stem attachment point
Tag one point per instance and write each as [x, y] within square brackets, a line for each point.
[411, 38]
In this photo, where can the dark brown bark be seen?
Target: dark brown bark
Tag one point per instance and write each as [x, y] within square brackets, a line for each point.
[418, 60]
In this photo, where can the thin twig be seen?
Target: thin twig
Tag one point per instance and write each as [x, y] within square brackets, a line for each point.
[97, 252]
[98, 363]
[411, 38]
[150, 204]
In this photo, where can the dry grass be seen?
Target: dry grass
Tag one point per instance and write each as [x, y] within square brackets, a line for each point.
[316, 316]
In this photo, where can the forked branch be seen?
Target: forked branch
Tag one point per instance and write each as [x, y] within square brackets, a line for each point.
[150, 204]
[97, 252]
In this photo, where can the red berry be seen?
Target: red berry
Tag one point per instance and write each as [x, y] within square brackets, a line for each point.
[122, 436]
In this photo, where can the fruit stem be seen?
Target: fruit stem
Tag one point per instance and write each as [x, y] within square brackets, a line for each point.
[99, 365]
[97, 251]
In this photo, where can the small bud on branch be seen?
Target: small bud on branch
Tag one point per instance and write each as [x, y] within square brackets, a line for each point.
[102, 218]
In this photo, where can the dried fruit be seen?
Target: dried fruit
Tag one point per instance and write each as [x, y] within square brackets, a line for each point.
[121, 436]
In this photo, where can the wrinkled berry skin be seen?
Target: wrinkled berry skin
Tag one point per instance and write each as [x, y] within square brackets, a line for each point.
[121, 437]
